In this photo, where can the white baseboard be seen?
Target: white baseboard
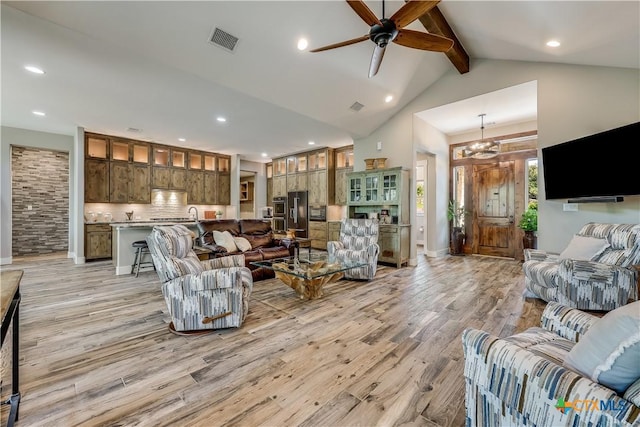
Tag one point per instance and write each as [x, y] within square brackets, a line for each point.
[412, 262]
[124, 269]
[79, 260]
[5, 261]
[71, 254]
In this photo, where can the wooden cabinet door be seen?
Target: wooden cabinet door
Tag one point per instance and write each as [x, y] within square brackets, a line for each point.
[269, 191]
[97, 241]
[317, 184]
[96, 181]
[140, 183]
[341, 186]
[195, 189]
[334, 231]
[493, 210]
[318, 234]
[119, 182]
[389, 245]
[178, 179]
[160, 178]
[210, 188]
[223, 189]
[279, 186]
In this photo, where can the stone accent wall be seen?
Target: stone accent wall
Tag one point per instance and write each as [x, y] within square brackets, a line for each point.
[40, 179]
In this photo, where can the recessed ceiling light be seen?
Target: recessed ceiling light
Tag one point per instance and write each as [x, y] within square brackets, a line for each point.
[181, 139]
[38, 113]
[264, 154]
[221, 119]
[302, 44]
[388, 98]
[34, 69]
[311, 143]
[553, 43]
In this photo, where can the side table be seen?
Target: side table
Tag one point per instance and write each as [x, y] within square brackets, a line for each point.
[9, 308]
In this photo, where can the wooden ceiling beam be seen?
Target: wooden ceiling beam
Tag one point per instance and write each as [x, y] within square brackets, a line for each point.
[435, 23]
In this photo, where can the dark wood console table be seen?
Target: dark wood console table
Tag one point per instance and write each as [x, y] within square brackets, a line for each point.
[9, 307]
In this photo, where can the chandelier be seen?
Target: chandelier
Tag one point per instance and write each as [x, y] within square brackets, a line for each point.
[482, 149]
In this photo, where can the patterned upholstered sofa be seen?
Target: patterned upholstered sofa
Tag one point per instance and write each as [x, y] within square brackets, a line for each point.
[607, 281]
[264, 245]
[200, 295]
[521, 380]
[358, 241]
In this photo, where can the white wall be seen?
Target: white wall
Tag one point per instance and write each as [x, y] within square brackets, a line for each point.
[573, 101]
[27, 138]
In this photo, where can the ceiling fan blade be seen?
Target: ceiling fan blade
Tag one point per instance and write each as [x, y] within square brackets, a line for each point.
[411, 11]
[344, 43]
[364, 12]
[376, 60]
[424, 41]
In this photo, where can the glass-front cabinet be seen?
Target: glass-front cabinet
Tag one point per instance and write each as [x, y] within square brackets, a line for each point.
[224, 164]
[318, 160]
[355, 189]
[390, 187]
[161, 156]
[119, 150]
[209, 163]
[371, 188]
[178, 159]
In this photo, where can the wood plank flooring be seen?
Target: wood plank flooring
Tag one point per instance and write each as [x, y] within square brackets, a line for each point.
[95, 348]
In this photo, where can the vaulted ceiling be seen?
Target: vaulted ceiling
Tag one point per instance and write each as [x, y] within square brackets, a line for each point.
[112, 66]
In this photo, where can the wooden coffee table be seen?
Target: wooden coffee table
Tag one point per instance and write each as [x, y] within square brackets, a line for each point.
[308, 275]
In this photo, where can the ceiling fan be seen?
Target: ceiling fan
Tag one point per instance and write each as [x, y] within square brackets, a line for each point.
[386, 30]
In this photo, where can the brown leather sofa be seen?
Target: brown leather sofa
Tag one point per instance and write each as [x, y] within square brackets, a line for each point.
[258, 232]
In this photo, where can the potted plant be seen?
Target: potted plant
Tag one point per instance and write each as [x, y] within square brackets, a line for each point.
[529, 224]
[456, 215]
[219, 214]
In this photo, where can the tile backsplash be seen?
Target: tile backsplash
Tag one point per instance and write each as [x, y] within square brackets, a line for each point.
[164, 204]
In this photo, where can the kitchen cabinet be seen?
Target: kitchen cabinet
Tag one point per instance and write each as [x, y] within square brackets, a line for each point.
[210, 188]
[195, 161]
[269, 173]
[195, 189]
[97, 241]
[140, 183]
[318, 234]
[384, 191]
[96, 181]
[129, 183]
[178, 179]
[160, 178]
[223, 190]
[120, 170]
[318, 183]
[341, 186]
[343, 167]
[279, 186]
[119, 182]
[297, 182]
[279, 167]
[333, 232]
[96, 146]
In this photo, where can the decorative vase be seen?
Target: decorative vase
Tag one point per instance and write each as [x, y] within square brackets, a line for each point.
[381, 162]
[457, 241]
[369, 163]
[530, 240]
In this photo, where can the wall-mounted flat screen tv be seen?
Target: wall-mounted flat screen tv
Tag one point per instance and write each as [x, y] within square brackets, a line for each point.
[601, 165]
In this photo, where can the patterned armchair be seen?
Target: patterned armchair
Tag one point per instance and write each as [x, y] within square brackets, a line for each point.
[604, 283]
[200, 295]
[358, 241]
[521, 380]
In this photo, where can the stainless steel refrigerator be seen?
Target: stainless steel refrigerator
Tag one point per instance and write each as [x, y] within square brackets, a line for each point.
[297, 217]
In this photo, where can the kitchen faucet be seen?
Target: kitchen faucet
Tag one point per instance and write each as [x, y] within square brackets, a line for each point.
[196, 209]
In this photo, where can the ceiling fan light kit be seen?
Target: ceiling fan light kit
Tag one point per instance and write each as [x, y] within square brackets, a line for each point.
[386, 30]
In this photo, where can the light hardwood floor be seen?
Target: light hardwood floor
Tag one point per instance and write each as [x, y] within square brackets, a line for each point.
[95, 348]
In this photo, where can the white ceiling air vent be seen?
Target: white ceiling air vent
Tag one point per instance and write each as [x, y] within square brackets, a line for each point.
[223, 39]
[356, 106]
[134, 130]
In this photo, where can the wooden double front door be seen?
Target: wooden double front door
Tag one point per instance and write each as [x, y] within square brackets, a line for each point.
[494, 209]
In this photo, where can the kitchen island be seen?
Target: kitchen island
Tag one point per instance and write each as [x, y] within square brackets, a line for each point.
[125, 233]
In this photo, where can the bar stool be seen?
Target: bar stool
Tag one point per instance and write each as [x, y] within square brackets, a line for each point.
[141, 249]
